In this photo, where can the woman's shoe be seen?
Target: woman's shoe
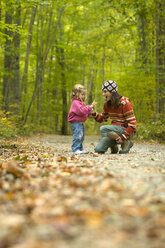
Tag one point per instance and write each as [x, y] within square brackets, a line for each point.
[114, 149]
[126, 146]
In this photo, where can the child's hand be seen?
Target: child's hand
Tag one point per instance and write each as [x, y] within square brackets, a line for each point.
[94, 103]
[93, 112]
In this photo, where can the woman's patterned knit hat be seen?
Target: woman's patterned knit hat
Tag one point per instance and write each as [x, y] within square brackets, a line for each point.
[110, 85]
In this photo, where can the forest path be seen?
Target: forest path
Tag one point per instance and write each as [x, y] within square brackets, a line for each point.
[97, 201]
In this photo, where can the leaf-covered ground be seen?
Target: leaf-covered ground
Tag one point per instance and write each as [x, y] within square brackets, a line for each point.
[50, 198]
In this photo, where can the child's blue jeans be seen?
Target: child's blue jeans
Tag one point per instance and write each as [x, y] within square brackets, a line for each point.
[78, 132]
[106, 142]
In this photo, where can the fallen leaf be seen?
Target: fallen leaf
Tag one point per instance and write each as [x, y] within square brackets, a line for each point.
[12, 167]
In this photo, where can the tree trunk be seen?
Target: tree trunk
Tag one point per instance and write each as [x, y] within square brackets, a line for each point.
[160, 59]
[49, 44]
[61, 62]
[103, 64]
[16, 61]
[90, 86]
[143, 42]
[0, 12]
[141, 54]
[41, 64]
[25, 72]
[28, 46]
[7, 63]
[64, 128]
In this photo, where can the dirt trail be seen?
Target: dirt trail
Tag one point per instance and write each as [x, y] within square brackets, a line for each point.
[94, 201]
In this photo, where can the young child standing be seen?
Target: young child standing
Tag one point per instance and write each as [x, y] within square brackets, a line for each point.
[78, 114]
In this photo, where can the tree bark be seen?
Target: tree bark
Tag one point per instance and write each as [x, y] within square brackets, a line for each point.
[25, 72]
[0, 12]
[42, 59]
[16, 61]
[61, 62]
[92, 75]
[7, 62]
[160, 59]
[141, 54]
[28, 46]
[103, 64]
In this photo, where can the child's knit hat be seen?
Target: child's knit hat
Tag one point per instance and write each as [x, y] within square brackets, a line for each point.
[110, 85]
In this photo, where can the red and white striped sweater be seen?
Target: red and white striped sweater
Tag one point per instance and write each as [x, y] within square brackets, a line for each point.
[123, 116]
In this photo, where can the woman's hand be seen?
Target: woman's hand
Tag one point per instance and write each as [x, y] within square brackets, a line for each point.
[116, 137]
[119, 140]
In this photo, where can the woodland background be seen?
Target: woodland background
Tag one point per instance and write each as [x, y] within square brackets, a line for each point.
[48, 46]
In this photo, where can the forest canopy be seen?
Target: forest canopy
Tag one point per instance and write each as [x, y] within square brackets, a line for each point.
[48, 46]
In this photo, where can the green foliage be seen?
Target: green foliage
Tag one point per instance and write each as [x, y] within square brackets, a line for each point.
[91, 42]
[31, 128]
[8, 128]
[154, 130]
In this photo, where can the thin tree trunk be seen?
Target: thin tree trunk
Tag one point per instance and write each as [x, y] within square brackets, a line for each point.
[103, 64]
[90, 86]
[39, 64]
[143, 43]
[61, 62]
[7, 63]
[64, 128]
[24, 18]
[30, 104]
[41, 67]
[160, 59]
[157, 62]
[25, 72]
[16, 66]
[0, 12]
[49, 45]
[28, 46]
[141, 51]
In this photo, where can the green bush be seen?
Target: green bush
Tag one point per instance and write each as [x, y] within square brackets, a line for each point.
[155, 130]
[8, 128]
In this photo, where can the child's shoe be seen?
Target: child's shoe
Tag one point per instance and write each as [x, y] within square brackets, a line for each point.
[77, 152]
[80, 152]
[84, 152]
